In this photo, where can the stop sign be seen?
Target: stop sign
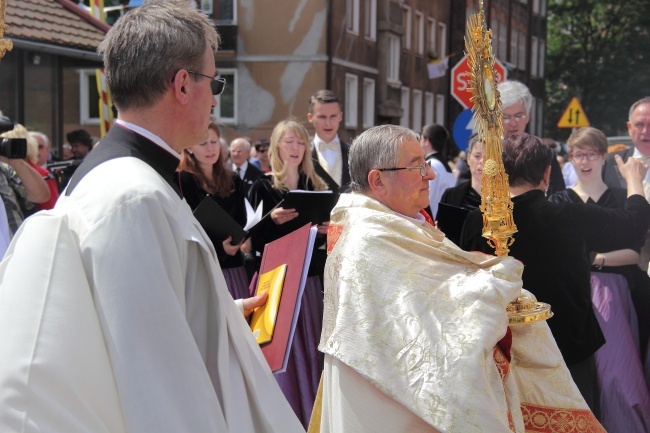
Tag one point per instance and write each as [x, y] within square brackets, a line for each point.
[460, 80]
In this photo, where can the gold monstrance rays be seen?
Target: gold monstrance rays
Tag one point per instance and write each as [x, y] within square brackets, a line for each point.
[496, 206]
[5, 44]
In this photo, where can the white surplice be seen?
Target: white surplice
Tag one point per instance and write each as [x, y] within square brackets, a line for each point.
[115, 317]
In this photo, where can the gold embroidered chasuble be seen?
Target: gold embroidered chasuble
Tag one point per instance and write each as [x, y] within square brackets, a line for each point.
[420, 319]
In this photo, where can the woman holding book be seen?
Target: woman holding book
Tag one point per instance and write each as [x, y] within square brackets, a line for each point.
[292, 169]
[204, 174]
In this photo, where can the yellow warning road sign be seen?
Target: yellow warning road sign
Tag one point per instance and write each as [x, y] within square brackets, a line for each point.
[574, 116]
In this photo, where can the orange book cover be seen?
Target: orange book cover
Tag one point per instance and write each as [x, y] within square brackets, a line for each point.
[264, 317]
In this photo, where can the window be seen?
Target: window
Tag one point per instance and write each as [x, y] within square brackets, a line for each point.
[406, 23]
[514, 38]
[440, 109]
[88, 97]
[352, 16]
[351, 100]
[226, 10]
[417, 110]
[534, 45]
[502, 39]
[432, 36]
[419, 28]
[540, 117]
[368, 103]
[521, 58]
[393, 59]
[542, 57]
[442, 40]
[428, 108]
[404, 121]
[226, 109]
[532, 123]
[207, 7]
[536, 7]
[371, 19]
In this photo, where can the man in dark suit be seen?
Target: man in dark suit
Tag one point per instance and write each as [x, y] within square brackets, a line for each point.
[638, 126]
[329, 153]
[240, 152]
[550, 244]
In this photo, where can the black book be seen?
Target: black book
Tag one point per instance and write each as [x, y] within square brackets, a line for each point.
[312, 206]
[219, 225]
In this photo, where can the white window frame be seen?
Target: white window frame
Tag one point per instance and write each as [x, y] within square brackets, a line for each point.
[536, 7]
[352, 16]
[442, 40]
[371, 20]
[84, 96]
[407, 27]
[429, 108]
[417, 110]
[405, 99]
[394, 52]
[368, 103]
[433, 29]
[351, 112]
[217, 109]
[419, 22]
[440, 109]
[534, 51]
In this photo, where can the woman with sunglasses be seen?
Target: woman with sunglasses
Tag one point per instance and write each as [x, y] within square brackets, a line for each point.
[624, 395]
[203, 173]
[292, 169]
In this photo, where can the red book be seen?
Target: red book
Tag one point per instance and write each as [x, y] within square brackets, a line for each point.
[294, 250]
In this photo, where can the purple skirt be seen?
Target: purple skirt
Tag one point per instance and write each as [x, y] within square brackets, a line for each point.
[237, 282]
[624, 395]
[299, 382]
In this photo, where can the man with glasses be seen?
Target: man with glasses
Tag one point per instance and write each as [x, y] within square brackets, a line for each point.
[516, 103]
[415, 330]
[126, 324]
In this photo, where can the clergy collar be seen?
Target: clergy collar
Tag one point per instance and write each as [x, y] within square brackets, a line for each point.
[148, 134]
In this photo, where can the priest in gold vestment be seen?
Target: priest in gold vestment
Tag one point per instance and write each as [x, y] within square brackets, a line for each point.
[415, 330]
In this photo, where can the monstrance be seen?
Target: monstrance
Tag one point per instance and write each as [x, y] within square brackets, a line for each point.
[496, 206]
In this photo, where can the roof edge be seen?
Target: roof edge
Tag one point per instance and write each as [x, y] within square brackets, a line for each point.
[72, 7]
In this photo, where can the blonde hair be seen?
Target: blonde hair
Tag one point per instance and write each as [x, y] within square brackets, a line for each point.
[279, 168]
[20, 131]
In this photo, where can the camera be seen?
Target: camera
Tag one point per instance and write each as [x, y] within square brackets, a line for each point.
[12, 148]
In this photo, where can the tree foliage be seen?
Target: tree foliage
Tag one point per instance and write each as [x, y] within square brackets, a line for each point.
[598, 51]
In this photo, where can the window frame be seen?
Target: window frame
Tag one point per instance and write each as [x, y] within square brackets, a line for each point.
[351, 112]
[84, 96]
[217, 109]
[352, 16]
[368, 110]
[370, 31]
[405, 102]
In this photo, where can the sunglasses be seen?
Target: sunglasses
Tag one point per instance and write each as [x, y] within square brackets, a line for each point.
[217, 85]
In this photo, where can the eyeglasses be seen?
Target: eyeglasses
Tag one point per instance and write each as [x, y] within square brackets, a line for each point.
[422, 167]
[579, 157]
[518, 117]
[217, 85]
[262, 150]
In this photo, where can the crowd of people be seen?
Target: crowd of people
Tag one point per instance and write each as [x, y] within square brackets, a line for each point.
[402, 327]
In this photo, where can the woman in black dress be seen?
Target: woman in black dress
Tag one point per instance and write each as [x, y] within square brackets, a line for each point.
[204, 174]
[291, 169]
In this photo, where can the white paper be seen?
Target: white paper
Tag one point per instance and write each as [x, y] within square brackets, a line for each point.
[252, 216]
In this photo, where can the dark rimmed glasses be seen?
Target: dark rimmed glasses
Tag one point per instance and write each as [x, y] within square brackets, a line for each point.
[579, 156]
[422, 167]
[217, 85]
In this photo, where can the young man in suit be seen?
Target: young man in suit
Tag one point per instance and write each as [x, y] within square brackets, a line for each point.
[329, 153]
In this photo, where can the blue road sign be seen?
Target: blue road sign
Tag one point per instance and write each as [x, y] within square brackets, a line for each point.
[463, 128]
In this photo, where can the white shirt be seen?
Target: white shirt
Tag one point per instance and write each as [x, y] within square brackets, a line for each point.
[330, 154]
[150, 135]
[241, 170]
[439, 185]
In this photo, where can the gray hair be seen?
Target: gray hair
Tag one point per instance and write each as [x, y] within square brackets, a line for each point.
[40, 135]
[146, 47]
[645, 100]
[512, 92]
[377, 147]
